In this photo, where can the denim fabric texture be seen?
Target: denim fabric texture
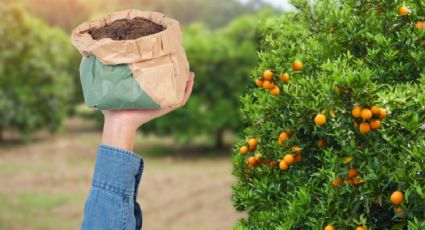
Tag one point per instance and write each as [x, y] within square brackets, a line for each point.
[111, 204]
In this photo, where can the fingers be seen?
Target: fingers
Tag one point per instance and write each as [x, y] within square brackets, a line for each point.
[189, 87]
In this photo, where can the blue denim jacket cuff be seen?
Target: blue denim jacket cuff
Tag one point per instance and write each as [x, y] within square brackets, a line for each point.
[117, 170]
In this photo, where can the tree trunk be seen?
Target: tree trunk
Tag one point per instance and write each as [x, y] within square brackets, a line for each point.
[219, 143]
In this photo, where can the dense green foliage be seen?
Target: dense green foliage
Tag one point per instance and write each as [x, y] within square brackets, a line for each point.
[355, 53]
[222, 61]
[35, 80]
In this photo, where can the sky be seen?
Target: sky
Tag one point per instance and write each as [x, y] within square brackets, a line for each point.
[281, 4]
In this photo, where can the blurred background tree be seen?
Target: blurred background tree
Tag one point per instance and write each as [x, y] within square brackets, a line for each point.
[222, 60]
[220, 41]
[36, 82]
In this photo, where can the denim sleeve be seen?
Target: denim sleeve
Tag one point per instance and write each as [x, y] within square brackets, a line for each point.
[111, 204]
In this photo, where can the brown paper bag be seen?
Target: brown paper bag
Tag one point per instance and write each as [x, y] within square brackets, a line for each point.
[146, 73]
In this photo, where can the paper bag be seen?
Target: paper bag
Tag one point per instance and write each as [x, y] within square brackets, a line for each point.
[150, 72]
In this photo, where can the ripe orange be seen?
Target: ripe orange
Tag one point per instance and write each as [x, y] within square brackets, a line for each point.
[337, 182]
[259, 83]
[356, 111]
[244, 150]
[268, 75]
[288, 159]
[366, 114]
[275, 91]
[252, 162]
[298, 158]
[284, 78]
[352, 173]
[283, 166]
[365, 128]
[297, 65]
[283, 136]
[420, 25]
[337, 90]
[320, 120]
[360, 228]
[397, 197]
[383, 114]
[403, 11]
[375, 124]
[267, 84]
[252, 143]
[329, 227]
[375, 110]
[296, 150]
[258, 156]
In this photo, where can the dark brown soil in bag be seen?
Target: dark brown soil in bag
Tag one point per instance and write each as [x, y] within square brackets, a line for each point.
[125, 29]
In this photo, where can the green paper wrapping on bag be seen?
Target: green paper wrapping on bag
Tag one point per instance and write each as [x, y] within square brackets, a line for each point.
[149, 72]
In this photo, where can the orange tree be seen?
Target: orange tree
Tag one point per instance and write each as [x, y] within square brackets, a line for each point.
[335, 119]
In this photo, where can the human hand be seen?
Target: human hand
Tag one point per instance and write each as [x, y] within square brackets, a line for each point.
[120, 126]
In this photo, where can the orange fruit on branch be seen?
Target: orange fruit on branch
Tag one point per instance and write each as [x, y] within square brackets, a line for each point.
[283, 136]
[375, 124]
[275, 91]
[284, 78]
[397, 197]
[272, 164]
[252, 143]
[259, 83]
[366, 114]
[297, 65]
[283, 166]
[320, 119]
[365, 128]
[244, 150]
[403, 11]
[252, 162]
[375, 110]
[268, 75]
[288, 159]
[356, 111]
[360, 228]
[268, 84]
[329, 227]
[420, 25]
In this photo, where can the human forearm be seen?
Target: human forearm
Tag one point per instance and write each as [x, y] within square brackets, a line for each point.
[118, 133]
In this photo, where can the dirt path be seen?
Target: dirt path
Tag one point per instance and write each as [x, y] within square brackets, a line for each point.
[43, 186]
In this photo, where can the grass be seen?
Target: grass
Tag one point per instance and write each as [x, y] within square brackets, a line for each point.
[43, 185]
[37, 210]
